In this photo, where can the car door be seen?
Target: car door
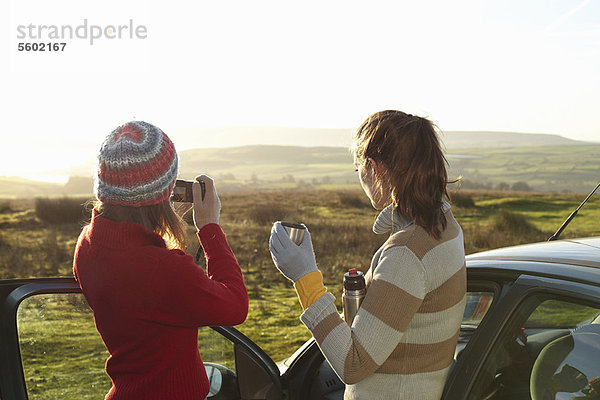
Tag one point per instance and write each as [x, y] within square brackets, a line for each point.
[532, 314]
[51, 349]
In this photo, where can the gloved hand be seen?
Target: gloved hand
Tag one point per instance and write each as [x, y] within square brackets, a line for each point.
[291, 260]
[207, 210]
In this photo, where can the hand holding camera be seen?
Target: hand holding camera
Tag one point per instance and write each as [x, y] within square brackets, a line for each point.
[203, 196]
[207, 205]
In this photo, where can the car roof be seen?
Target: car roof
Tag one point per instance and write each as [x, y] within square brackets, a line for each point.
[581, 251]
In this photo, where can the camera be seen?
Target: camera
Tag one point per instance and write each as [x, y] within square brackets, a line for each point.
[183, 193]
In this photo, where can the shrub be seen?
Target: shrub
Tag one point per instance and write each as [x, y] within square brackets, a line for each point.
[515, 224]
[5, 207]
[462, 200]
[502, 186]
[353, 200]
[60, 211]
[521, 187]
[505, 229]
[264, 214]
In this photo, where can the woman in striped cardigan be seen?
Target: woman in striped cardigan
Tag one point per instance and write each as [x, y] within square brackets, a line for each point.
[401, 342]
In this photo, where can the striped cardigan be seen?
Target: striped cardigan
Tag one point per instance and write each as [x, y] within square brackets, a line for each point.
[401, 343]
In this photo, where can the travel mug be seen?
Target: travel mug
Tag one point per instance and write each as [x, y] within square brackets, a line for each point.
[295, 231]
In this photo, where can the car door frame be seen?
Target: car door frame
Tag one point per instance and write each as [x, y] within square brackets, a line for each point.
[468, 366]
[302, 365]
[14, 291]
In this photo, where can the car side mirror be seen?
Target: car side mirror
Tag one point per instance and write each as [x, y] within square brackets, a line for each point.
[223, 382]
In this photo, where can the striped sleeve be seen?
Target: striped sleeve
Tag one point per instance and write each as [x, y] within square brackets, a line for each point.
[396, 292]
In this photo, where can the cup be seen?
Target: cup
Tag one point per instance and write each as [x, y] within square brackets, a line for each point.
[295, 231]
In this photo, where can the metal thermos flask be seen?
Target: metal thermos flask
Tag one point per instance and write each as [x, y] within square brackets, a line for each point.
[354, 293]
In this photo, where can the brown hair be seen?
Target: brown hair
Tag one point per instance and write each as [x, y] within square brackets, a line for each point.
[408, 148]
[160, 218]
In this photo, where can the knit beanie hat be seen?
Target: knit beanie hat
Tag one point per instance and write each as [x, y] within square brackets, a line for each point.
[137, 166]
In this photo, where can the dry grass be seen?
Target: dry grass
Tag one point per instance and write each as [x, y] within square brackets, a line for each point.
[38, 243]
[48, 258]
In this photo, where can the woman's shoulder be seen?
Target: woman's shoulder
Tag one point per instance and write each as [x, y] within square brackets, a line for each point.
[419, 242]
[165, 265]
[163, 254]
[402, 238]
[159, 259]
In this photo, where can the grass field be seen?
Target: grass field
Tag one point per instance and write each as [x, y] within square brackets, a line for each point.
[340, 223]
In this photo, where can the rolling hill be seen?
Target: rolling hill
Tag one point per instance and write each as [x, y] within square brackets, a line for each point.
[545, 162]
[187, 138]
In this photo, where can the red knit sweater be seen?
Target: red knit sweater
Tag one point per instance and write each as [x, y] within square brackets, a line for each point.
[149, 301]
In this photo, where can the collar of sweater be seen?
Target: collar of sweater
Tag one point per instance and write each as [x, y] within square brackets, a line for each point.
[120, 235]
[389, 219]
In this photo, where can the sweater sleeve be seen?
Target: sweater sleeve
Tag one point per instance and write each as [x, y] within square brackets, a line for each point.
[191, 297]
[394, 296]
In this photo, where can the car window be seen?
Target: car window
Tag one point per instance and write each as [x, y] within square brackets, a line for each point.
[560, 314]
[535, 356]
[216, 349]
[63, 355]
[476, 306]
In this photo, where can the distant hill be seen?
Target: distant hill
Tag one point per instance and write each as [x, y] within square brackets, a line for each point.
[210, 141]
[544, 168]
[24, 188]
[492, 140]
[281, 136]
[544, 162]
[242, 157]
[258, 164]
[206, 137]
[548, 168]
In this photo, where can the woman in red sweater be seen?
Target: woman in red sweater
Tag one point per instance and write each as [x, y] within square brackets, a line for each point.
[148, 296]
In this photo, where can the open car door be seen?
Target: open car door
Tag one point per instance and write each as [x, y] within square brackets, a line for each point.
[51, 349]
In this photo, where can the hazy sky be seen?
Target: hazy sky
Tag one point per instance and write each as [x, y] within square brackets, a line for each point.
[505, 65]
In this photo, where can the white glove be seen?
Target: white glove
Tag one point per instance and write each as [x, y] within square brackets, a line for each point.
[207, 210]
[291, 260]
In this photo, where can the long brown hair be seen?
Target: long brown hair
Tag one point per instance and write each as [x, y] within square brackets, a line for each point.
[159, 218]
[415, 166]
